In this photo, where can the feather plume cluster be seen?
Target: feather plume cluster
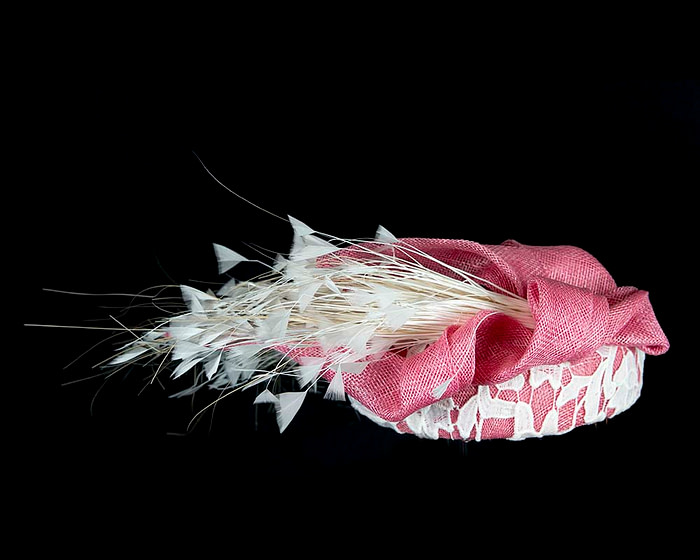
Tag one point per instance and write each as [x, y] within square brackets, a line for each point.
[339, 304]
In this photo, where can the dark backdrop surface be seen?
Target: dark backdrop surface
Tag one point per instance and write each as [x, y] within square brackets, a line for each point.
[606, 165]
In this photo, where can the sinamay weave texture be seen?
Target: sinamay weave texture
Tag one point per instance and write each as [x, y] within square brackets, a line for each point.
[581, 363]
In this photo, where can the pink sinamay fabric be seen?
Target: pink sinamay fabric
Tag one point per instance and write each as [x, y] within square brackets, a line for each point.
[575, 303]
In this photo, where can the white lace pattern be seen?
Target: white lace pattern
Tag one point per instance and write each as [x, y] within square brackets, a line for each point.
[546, 400]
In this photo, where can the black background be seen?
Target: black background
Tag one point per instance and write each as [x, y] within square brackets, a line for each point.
[123, 204]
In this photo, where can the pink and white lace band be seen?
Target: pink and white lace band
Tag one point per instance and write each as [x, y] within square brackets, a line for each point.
[545, 400]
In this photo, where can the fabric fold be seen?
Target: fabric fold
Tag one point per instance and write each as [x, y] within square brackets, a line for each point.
[576, 306]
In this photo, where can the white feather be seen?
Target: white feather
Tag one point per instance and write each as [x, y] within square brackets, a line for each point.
[242, 362]
[379, 345]
[305, 295]
[183, 333]
[353, 367]
[274, 327]
[336, 388]
[331, 285]
[184, 350]
[228, 337]
[358, 342]
[300, 228]
[129, 355]
[188, 292]
[194, 298]
[287, 406]
[396, 316]
[440, 389]
[309, 370]
[351, 336]
[297, 272]
[361, 297]
[212, 365]
[212, 333]
[416, 349]
[332, 339]
[385, 296]
[311, 247]
[227, 258]
[381, 295]
[266, 396]
[186, 366]
[280, 263]
[227, 288]
[385, 236]
[194, 305]
[232, 370]
[247, 356]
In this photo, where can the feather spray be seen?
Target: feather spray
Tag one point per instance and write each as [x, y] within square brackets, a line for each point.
[330, 308]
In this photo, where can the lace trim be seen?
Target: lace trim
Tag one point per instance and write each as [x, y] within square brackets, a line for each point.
[547, 400]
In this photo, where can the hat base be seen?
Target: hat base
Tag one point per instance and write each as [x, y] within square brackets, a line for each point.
[546, 400]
